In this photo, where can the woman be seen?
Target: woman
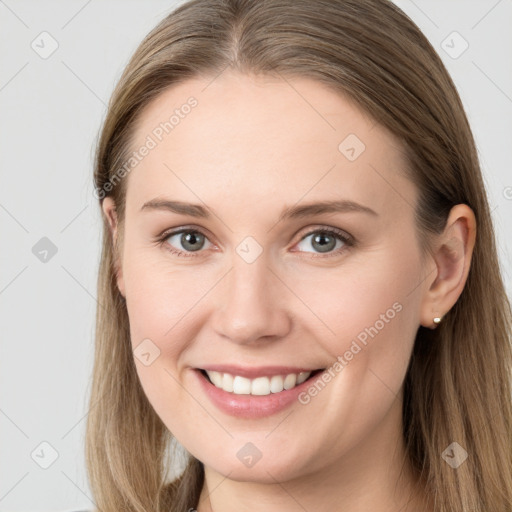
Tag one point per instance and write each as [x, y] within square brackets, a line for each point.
[299, 282]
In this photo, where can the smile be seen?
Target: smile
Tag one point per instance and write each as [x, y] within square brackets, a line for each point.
[253, 392]
[260, 386]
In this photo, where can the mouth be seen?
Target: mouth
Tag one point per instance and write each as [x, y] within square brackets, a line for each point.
[263, 385]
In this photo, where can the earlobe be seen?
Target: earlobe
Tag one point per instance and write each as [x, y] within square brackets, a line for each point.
[452, 257]
[109, 210]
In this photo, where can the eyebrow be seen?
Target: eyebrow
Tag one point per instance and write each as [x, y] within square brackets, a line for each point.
[291, 212]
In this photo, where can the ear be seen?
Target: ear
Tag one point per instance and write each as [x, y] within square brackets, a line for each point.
[452, 256]
[109, 210]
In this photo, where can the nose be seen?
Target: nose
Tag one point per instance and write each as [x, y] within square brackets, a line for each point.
[253, 304]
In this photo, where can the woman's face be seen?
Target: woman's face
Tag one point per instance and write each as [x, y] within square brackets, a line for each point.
[261, 287]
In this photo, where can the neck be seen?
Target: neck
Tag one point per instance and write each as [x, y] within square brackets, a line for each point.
[373, 475]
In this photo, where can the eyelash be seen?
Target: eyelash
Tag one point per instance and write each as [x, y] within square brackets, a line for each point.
[340, 235]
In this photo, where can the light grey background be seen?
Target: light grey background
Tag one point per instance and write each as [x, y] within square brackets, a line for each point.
[51, 112]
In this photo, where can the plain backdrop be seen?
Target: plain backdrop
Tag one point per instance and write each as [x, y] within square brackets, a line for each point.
[59, 63]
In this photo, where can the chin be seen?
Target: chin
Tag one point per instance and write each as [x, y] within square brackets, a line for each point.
[275, 469]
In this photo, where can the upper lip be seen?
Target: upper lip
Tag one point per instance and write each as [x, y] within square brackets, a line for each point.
[256, 371]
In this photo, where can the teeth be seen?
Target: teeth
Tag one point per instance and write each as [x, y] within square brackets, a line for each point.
[241, 386]
[276, 384]
[290, 381]
[216, 378]
[258, 386]
[227, 382]
[302, 377]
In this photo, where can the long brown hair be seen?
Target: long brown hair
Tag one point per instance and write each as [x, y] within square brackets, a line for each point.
[457, 387]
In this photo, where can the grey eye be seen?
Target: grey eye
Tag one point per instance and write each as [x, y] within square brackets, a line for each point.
[190, 241]
[321, 241]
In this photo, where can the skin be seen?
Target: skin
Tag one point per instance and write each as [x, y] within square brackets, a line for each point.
[252, 146]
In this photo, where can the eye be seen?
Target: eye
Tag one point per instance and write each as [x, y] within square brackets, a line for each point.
[187, 240]
[325, 240]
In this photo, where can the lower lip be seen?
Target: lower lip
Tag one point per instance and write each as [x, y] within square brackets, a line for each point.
[250, 406]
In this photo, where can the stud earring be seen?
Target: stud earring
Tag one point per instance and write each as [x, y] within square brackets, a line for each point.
[437, 320]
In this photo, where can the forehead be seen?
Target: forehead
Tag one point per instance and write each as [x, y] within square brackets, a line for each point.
[258, 141]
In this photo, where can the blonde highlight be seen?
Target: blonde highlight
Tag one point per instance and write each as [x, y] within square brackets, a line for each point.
[457, 386]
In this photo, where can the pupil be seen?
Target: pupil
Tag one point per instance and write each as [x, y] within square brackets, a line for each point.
[324, 246]
[190, 239]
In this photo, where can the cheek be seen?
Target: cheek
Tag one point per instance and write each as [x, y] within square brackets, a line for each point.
[366, 317]
[373, 314]
[353, 300]
[162, 320]
[364, 314]
[162, 300]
